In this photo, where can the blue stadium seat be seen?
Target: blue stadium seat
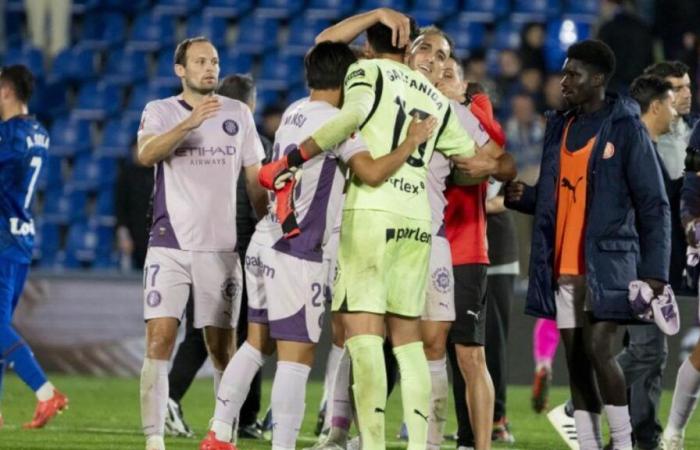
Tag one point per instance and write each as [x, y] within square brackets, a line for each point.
[105, 255]
[79, 7]
[560, 34]
[49, 100]
[507, 35]
[329, 9]
[26, 55]
[49, 243]
[51, 176]
[279, 9]
[279, 71]
[150, 32]
[177, 7]
[297, 93]
[77, 204]
[257, 34]
[103, 30]
[104, 206]
[302, 33]
[212, 27]
[266, 97]
[233, 61]
[433, 11]
[99, 100]
[118, 137]
[144, 93]
[486, 10]
[228, 8]
[129, 7]
[75, 64]
[583, 8]
[14, 20]
[70, 136]
[165, 75]
[56, 207]
[466, 33]
[86, 173]
[81, 245]
[535, 10]
[107, 168]
[126, 66]
[399, 5]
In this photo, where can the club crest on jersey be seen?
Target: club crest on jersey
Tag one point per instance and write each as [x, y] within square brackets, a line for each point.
[441, 280]
[229, 289]
[230, 127]
[153, 299]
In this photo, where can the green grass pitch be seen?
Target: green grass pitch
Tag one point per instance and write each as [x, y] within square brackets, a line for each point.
[104, 415]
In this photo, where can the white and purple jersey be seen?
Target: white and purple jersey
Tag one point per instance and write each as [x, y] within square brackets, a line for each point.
[318, 198]
[194, 196]
[440, 167]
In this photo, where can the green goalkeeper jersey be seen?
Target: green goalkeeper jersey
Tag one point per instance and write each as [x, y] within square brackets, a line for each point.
[380, 96]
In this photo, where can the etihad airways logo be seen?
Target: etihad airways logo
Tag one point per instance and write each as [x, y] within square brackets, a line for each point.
[229, 150]
[414, 234]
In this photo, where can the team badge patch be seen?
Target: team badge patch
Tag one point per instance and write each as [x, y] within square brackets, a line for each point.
[441, 280]
[609, 150]
[153, 299]
[229, 289]
[230, 127]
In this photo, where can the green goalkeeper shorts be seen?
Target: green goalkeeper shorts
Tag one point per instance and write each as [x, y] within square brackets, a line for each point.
[382, 263]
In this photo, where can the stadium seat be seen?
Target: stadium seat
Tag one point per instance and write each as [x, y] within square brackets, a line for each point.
[507, 35]
[103, 30]
[49, 243]
[233, 61]
[104, 206]
[126, 66]
[105, 256]
[279, 71]
[581, 9]
[228, 8]
[107, 168]
[77, 204]
[399, 5]
[297, 93]
[74, 65]
[466, 33]
[70, 136]
[266, 97]
[256, 34]
[278, 9]
[144, 93]
[79, 7]
[86, 173]
[211, 27]
[26, 55]
[177, 7]
[81, 245]
[302, 34]
[560, 34]
[129, 7]
[98, 100]
[49, 100]
[51, 176]
[433, 11]
[14, 35]
[329, 9]
[56, 207]
[118, 137]
[150, 32]
[535, 10]
[486, 10]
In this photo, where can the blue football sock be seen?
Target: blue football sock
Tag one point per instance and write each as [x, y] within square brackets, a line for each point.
[16, 352]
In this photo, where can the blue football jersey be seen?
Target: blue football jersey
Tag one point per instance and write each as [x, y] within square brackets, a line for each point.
[24, 144]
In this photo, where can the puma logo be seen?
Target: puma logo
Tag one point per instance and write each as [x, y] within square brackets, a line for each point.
[421, 414]
[572, 187]
[225, 402]
[475, 314]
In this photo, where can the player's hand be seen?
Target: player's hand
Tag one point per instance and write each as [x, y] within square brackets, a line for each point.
[478, 166]
[514, 191]
[399, 24]
[420, 131]
[692, 233]
[209, 107]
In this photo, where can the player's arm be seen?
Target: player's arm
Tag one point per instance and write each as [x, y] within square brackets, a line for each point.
[256, 193]
[490, 160]
[348, 29]
[154, 148]
[374, 172]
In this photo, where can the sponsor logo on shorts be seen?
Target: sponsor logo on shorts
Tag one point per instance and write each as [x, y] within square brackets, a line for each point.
[229, 289]
[153, 299]
[406, 186]
[441, 280]
[230, 127]
[415, 234]
[476, 314]
[255, 266]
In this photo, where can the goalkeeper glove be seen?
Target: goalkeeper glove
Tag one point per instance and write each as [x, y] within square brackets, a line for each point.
[284, 207]
[274, 175]
[483, 110]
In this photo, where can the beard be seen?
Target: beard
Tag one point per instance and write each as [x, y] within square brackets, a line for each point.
[199, 89]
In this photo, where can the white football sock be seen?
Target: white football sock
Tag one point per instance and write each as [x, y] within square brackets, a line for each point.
[620, 426]
[155, 443]
[217, 381]
[154, 396]
[287, 399]
[341, 409]
[233, 389]
[45, 392]
[588, 430]
[685, 398]
[438, 402]
[328, 382]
